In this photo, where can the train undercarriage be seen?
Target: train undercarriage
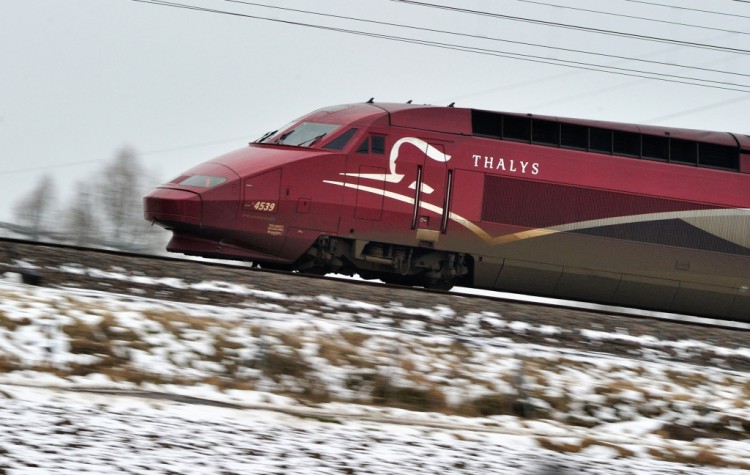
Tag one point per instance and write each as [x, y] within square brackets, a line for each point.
[391, 263]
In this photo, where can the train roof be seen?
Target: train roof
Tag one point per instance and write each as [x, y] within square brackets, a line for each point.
[456, 120]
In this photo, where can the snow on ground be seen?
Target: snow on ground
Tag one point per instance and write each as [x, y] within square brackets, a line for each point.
[334, 388]
[52, 432]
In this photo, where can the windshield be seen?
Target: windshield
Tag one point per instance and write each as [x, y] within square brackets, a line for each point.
[304, 135]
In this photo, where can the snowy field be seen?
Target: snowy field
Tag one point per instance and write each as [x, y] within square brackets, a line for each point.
[343, 387]
[55, 432]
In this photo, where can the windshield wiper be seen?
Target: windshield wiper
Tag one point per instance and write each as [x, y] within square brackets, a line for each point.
[312, 140]
[280, 139]
[265, 136]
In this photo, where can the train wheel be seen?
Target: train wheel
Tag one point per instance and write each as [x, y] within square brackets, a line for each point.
[440, 285]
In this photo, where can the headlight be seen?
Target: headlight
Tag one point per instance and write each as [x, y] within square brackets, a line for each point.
[203, 181]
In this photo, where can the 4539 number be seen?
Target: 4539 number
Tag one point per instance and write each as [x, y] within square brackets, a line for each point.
[265, 206]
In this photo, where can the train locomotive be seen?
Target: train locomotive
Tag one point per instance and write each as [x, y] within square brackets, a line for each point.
[640, 216]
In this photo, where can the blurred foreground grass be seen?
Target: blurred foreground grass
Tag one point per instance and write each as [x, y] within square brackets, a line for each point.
[321, 360]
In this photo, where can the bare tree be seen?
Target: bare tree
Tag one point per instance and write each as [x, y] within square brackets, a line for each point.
[119, 192]
[106, 210]
[83, 224]
[36, 210]
[123, 183]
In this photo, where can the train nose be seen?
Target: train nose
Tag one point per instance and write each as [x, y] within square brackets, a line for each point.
[171, 207]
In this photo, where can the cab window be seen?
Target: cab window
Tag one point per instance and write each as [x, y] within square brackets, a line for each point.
[374, 144]
[340, 142]
[305, 134]
[377, 144]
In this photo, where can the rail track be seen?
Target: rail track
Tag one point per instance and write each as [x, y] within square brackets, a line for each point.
[229, 284]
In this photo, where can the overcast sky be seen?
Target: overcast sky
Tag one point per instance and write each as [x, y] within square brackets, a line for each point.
[80, 79]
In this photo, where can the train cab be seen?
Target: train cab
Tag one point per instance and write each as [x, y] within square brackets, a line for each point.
[243, 204]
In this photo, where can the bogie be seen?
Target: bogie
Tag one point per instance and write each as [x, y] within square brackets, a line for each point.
[390, 263]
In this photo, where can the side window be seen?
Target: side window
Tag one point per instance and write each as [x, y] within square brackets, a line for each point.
[340, 142]
[374, 144]
[378, 144]
[364, 147]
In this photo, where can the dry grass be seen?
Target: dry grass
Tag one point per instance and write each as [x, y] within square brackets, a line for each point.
[559, 446]
[275, 364]
[12, 324]
[492, 405]
[688, 380]
[384, 393]
[705, 456]
[576, 447]
[226, 354]
[746, 389]
[291, 340]
[355, 339]
[8, 364]
[335, 353]
[361, 380]
[169, 319]
[109, 345]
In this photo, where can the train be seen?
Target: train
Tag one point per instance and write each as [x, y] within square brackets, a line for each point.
[620, 214]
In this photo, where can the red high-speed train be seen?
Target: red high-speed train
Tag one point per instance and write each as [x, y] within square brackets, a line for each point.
[633, 215]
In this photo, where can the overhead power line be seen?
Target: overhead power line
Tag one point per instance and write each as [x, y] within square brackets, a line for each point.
[657, 39]
[656, 4]
[484, 51]
[633, 17]
[488, 38]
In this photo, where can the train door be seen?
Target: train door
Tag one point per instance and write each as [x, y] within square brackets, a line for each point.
[431, 192]
[367, 172]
